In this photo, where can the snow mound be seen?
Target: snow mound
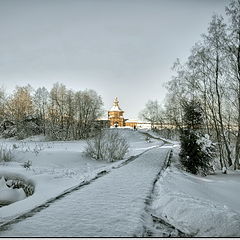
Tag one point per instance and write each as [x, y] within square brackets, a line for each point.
[10, 195]
[3, 184]
[191, 213]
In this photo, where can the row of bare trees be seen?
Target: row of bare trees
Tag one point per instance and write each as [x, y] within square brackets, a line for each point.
[211, 76]
[60, 113]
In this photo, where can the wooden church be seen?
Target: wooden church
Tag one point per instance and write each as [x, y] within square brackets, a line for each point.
[115, 116]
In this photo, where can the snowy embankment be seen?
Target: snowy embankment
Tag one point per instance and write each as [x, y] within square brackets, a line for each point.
[57, 167]
[155, 135]
[199, 206]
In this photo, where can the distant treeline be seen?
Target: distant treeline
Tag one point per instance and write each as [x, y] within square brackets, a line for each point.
[60, 113]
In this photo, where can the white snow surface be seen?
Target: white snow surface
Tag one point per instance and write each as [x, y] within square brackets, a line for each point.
[111, 206]
[56, 167]
[156, 135]
[199, 206]
[9, 195]
[116, 109]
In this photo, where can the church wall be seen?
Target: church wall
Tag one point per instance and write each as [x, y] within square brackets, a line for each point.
[131, 124]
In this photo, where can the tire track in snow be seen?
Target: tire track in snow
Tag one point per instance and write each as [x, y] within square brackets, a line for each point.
[6, 224]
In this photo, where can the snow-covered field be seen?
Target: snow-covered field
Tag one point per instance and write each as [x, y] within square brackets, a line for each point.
[199, 206]
[57, 167]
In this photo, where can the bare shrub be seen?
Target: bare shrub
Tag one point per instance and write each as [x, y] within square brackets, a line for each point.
[107, 145]
[6, 155]
[27, 164]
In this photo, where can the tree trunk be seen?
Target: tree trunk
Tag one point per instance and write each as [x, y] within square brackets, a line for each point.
[220, 113]
[237, 147]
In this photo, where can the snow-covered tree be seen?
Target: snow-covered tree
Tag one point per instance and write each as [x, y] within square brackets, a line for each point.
[196, 149]
[153, 113]
[233, 53]
[88, 108]
[20, 104]
[41, 101]
[2, 104]
[72, 114]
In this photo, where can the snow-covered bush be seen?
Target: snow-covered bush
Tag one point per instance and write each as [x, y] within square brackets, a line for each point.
[10, 132]
[168, 133]
[15, 146]
[196, 152]
[14, 187]
[27, 128]
[20, 129]
[55, 133]
[27, 164]
[38, 147]
[8, 194]
[147, 139]
[107, 145]
[6, 155]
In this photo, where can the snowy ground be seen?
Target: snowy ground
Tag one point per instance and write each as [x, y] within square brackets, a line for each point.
[199, 206]
[111, 206]
[155, 135]
[57, 167]
[115, 204]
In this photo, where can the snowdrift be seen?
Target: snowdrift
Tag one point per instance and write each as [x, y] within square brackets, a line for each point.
[10, 195]
[185, 201]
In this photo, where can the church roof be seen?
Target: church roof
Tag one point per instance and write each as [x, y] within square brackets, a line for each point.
[115, 106]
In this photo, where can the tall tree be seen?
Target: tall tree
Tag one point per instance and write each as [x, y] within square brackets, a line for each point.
[41, 100]
[215, 40]
[153, 113]
[2, 104]
[20, 104]
[233, 11]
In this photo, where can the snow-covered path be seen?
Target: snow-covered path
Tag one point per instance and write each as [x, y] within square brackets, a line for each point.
[111, 206]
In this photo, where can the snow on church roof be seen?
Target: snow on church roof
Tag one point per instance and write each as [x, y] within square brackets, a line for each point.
[115, 106]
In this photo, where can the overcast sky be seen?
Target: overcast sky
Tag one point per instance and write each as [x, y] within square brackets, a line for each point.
[121, 48]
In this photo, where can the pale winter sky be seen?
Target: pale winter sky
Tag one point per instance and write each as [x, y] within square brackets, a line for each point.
[121, 48]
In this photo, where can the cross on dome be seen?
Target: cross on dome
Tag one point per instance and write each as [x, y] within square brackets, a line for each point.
[115, 106]
[116, 102]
